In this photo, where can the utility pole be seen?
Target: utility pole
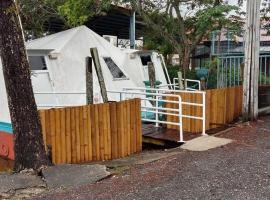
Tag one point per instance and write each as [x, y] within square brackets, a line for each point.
[252, 53]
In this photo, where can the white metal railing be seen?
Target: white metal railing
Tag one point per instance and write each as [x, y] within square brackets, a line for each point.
[166, 71]
[166, 92]
[186, 81]
[148, 95]
[229, 70]
[150, 104]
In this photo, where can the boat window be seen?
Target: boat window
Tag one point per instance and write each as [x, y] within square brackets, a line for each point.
[114, 69]
[145, 60]
[37, 63]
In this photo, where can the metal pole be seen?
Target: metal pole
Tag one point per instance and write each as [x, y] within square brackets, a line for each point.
[132, 30]
[204, 114]
[180, 120]
[156, 97]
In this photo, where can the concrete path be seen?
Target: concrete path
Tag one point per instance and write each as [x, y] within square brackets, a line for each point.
[23, 185]
[65, 176]
[205, 143]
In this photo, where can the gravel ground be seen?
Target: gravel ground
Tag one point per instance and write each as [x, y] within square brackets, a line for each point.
[240, 170]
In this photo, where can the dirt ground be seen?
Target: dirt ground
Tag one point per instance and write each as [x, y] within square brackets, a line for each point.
[240, 170]
[6, 165]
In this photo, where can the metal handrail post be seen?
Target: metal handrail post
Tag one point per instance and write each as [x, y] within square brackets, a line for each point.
[181, 136]
[204, 114]
[156, 97]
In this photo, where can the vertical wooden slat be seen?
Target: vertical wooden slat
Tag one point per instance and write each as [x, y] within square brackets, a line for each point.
[213, 108]
[114, 139]
[81, 133]
[105, 131]
[63, 135]
[52, 128]
[128, 126]
[89, 130]
[133, 126]
[208, 108]
[125, 122]
[85, 134]
[42, 116]
[109, 132]
[136, 127]
[97, 133]
[101, 132]
[139, 125]
[109, 138]
[48, 129]
[232, 104]
[68, 135]
[73, 136]
[78, 139]
[94, 133]
[57, 137]
[199, 113]
[120, 129]
[123, 142]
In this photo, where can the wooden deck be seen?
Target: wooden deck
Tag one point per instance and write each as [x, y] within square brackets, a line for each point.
[163, 136]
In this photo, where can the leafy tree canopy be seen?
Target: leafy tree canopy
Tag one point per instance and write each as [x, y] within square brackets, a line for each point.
[183, 24]
[77, 12]
[36, 13]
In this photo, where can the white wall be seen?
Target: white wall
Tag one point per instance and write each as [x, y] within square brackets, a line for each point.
[4, 110]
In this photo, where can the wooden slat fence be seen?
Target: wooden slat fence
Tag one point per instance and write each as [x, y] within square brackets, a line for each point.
[223, 106]
[92, 133]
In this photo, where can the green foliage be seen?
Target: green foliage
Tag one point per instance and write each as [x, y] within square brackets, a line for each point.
[172, 30]
[209, 19]
[173, 73]
[77, 12]
[152, 42]
[36, 13]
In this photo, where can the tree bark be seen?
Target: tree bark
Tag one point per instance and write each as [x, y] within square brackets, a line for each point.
[185, 61]
[29, 146]
[152, 74]
[89, 82]
[95, 57]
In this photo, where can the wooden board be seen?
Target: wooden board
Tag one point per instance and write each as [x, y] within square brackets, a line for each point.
[222, 106]
[92, 132]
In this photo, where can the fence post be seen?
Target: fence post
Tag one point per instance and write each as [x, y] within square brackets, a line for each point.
[151, 74]
[89, 81]
[95, 56]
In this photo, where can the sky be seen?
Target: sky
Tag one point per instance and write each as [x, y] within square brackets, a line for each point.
[234, 2]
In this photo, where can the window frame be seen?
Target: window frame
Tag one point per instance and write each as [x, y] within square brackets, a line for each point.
[115, 79]
[38, 70]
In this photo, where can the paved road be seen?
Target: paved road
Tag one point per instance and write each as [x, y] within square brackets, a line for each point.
[240, 170]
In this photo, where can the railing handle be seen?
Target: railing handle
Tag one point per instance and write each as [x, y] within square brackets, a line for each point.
[181, 137]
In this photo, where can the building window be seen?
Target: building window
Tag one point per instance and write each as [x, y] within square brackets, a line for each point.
[37, 63]
[114, 69]
[145, 60]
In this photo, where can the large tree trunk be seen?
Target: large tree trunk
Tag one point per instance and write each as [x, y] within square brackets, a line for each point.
[29, 147]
